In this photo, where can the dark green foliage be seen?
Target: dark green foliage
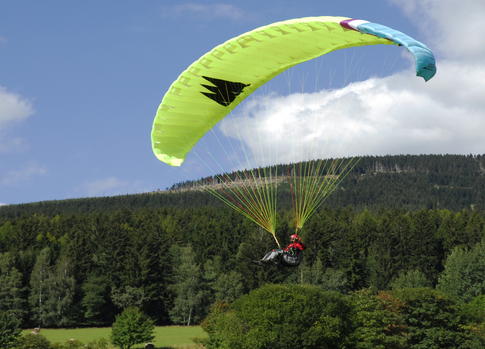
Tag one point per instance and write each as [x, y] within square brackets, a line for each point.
[131, 327]
[97, 264]
[9, 329]
[128, 297]
[329, 279]
[281, 316]
[12, 294]
[474, 314]
[33, 341]
[377, 320]
[475, 309]
[81, 262]
[291, 316]
[432, 319]
[453, 182]
[228, 287]
[95, 301]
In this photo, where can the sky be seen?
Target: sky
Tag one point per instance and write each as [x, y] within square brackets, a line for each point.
[80, 82]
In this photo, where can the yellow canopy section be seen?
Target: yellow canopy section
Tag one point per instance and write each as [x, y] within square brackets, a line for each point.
[211, 87]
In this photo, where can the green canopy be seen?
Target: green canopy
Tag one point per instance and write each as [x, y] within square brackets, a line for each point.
[211, 87]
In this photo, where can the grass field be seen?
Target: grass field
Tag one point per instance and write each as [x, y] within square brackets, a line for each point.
[165, 336]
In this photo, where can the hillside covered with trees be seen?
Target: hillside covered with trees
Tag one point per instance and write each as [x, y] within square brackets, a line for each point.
[404, 181]
[394, 222]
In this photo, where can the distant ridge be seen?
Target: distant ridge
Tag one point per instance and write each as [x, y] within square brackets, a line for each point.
[453, 182]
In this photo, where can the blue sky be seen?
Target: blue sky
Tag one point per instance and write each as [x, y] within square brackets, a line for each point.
[80, 82]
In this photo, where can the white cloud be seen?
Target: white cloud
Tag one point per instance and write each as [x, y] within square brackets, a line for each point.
[110, 186]
[219, 10]
[452, 26]
[13, 177]
[397, 114]
[392, 115]
[13, 107]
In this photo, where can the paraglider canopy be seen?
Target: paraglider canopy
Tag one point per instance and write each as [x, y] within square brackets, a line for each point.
[211, 87]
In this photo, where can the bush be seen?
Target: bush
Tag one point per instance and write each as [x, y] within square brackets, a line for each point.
[33, 341]
[280, 316]
[9, 329]
[132, 327]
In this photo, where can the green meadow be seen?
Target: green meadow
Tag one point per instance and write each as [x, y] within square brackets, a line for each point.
[165, 336]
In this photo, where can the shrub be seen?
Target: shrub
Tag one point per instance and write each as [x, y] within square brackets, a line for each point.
[132, 327]
[280, 316]
[33, 341]
[9, 329]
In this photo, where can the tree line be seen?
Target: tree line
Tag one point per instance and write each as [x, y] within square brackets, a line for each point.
[173, 263]
[410, 182]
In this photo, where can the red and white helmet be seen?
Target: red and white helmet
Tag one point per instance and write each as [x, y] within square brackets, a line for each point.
[295, 237]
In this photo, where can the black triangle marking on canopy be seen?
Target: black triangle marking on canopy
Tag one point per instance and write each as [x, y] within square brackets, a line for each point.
[223, 92]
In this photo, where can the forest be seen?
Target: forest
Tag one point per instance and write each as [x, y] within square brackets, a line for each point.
[80, 262]
[407, 182]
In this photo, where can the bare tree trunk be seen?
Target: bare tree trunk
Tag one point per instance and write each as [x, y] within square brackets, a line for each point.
[190, 315]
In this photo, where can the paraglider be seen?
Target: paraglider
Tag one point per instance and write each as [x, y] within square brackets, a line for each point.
[290, 256]
[212, 86]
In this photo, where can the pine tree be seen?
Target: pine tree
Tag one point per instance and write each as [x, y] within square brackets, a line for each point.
[11, 290]
[95, 301]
